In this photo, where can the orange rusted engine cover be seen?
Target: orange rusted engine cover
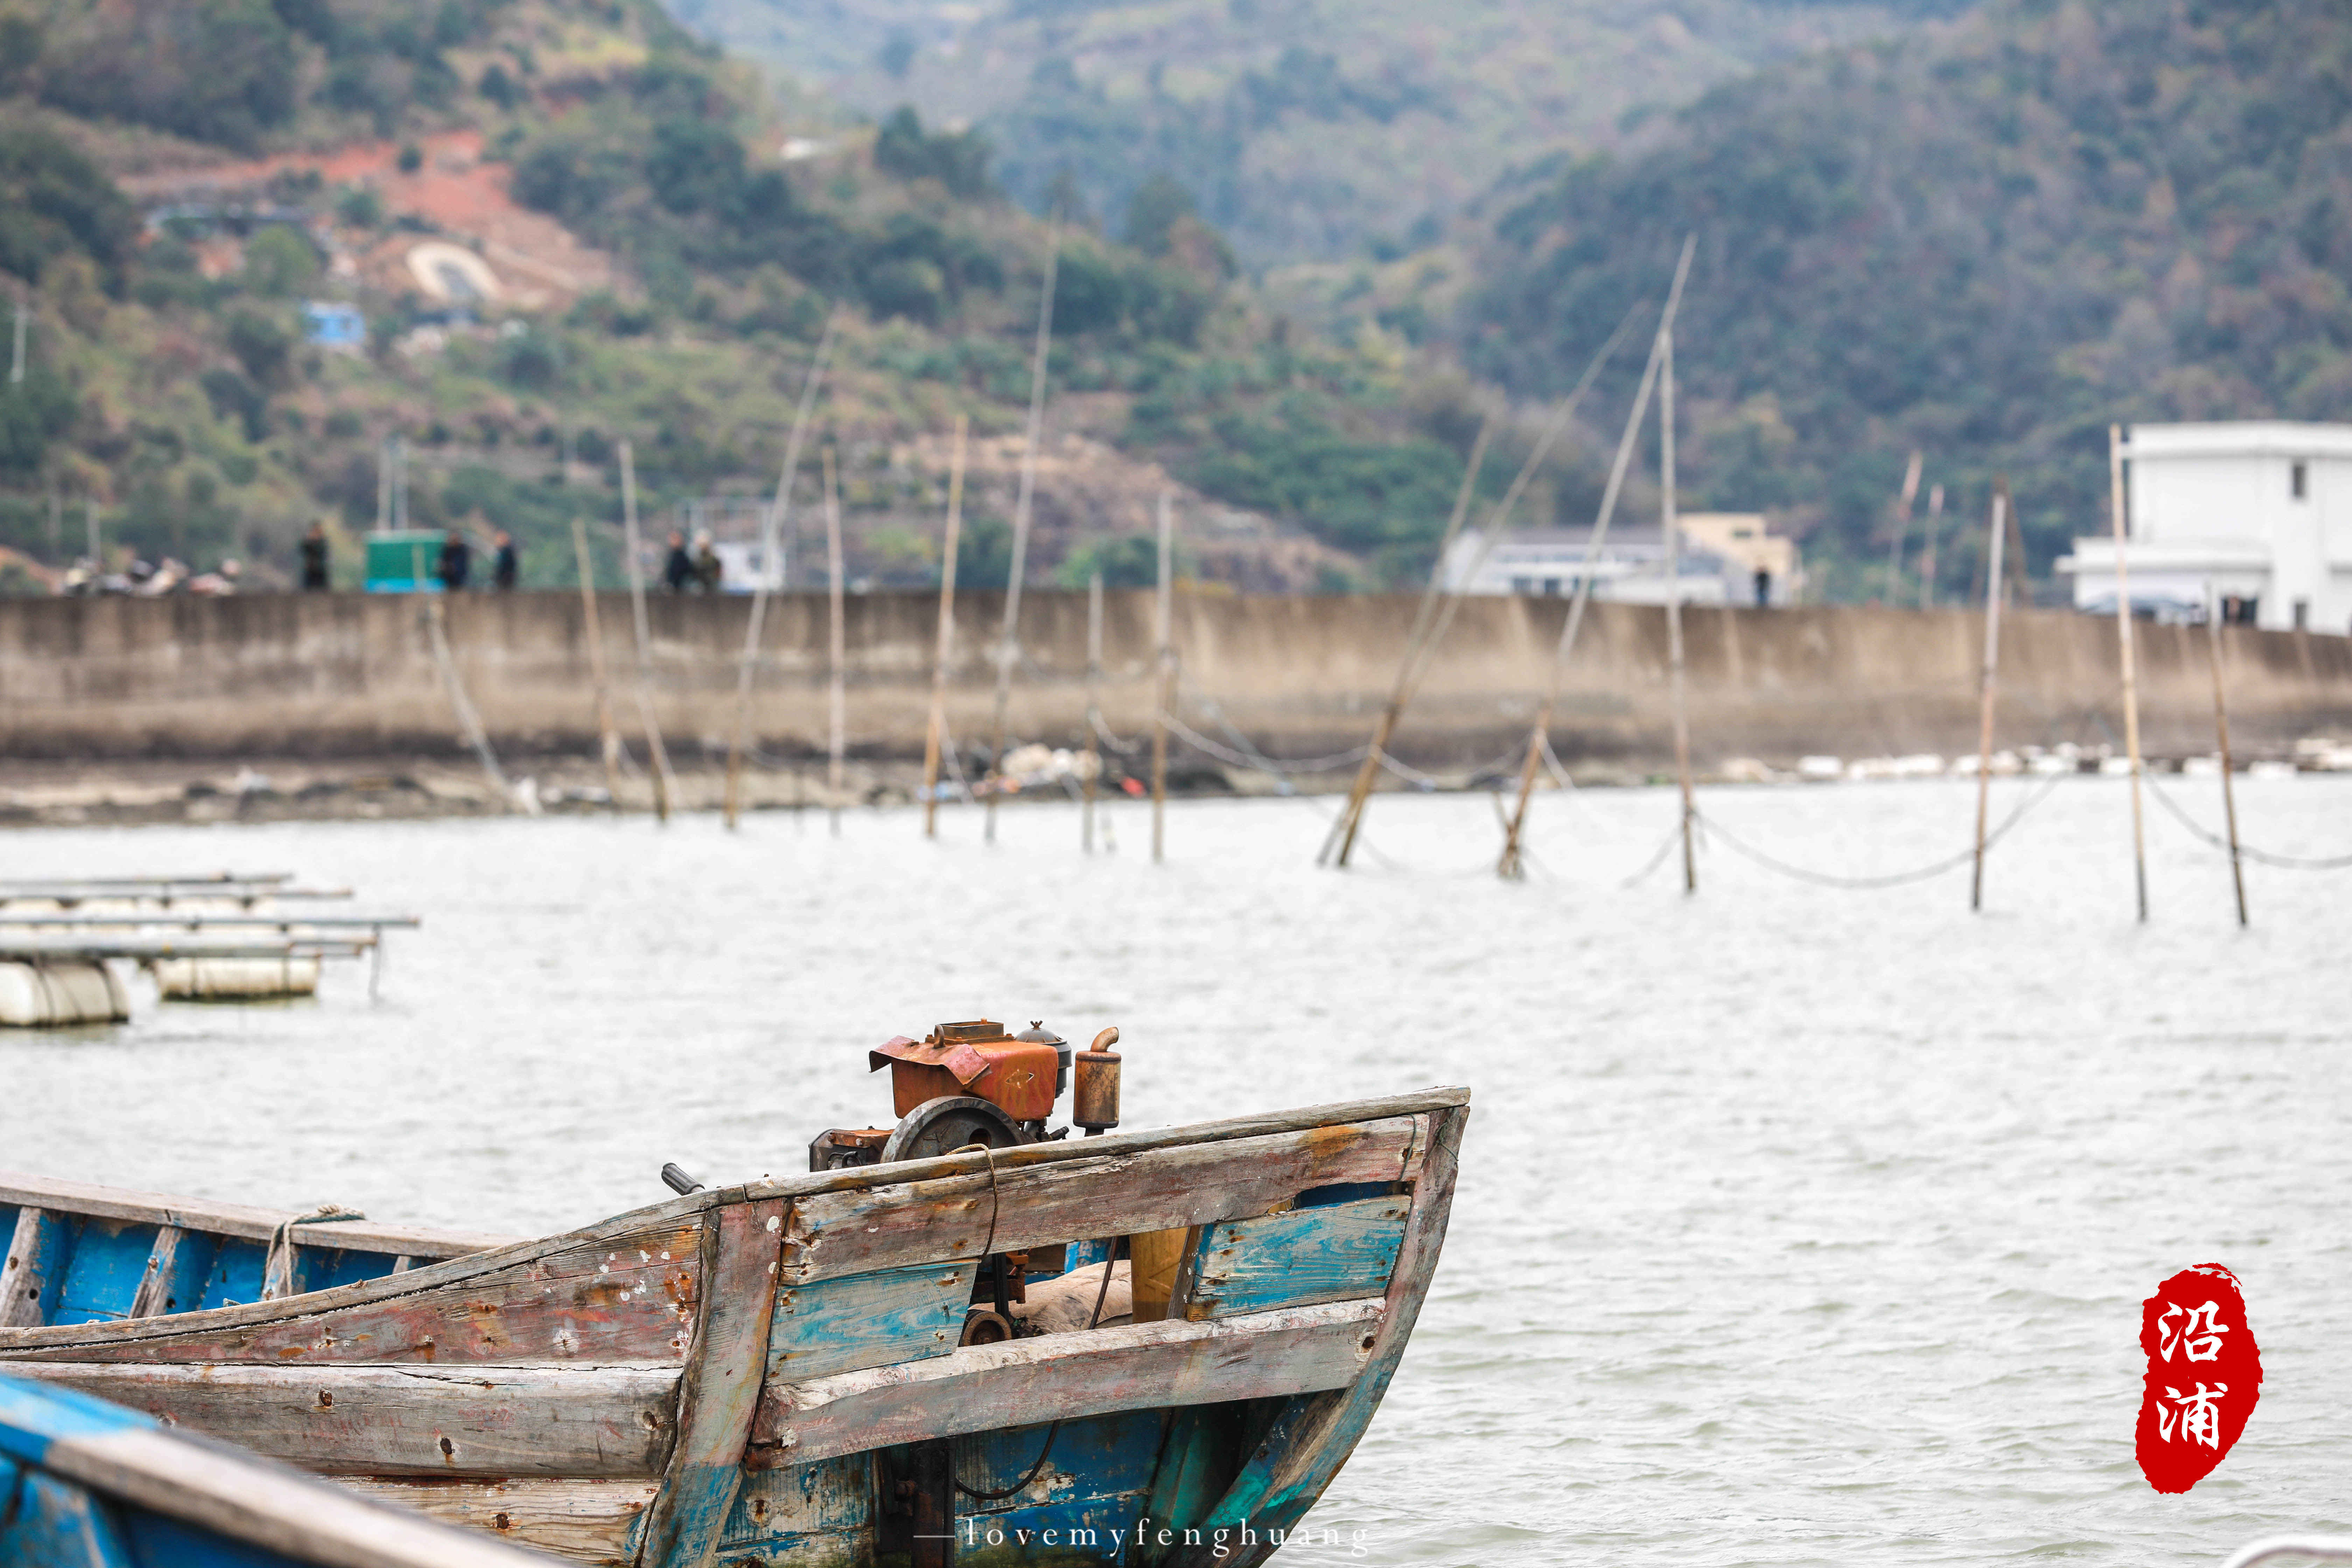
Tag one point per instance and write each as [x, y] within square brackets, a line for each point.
[977, 1059]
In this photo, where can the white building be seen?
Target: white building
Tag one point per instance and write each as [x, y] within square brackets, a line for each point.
[1725, 559]
[2260, 511]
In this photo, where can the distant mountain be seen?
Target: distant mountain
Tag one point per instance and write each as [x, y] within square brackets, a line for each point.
[1987, 242]
[1306, 129]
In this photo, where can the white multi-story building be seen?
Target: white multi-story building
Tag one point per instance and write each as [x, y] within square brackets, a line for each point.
[2258, 511]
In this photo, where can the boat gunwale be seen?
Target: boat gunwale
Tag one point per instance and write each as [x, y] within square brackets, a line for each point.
[18, 1344]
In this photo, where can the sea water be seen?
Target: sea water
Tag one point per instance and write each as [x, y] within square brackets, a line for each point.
[1797, 1223]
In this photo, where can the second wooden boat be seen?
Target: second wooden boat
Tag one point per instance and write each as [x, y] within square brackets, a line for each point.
[890, 1359]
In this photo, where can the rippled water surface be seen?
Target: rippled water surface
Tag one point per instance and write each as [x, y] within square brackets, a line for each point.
[1796, 1223]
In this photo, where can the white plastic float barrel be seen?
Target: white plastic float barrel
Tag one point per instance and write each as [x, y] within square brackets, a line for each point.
[236, 979]
[70, 990]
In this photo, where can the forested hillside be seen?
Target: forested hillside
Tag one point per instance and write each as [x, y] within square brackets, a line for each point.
[1307, 129]
[1986, 244]
[565, 222]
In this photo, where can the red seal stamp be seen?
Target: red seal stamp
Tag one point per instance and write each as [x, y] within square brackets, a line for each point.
[2204, 1376]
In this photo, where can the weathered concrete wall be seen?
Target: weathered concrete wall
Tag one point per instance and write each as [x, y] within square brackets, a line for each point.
[344, 674]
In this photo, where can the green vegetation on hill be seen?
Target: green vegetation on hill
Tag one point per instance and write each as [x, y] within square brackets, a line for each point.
[174, 385]
[1987, 246]
[1307, 129]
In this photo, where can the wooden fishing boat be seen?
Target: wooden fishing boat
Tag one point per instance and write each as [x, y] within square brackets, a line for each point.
[890, 1359]
[86, 1484]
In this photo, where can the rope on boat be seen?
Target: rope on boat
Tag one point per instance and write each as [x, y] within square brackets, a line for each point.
[278, 1269]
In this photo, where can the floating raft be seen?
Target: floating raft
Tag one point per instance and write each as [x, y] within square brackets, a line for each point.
[771, 1372]
[91, 1485]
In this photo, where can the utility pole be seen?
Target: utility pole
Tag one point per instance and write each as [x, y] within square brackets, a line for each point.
[935, 733]
[1671, 526]
[659, 752]
[1167, 672]
[1928, 556]
[1988, 681]
[1902, 528]
[837, 699]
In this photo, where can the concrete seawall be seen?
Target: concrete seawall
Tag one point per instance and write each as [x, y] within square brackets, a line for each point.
[353, 676]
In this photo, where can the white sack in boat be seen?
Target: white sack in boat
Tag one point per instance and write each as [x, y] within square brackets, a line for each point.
[1063, 1304]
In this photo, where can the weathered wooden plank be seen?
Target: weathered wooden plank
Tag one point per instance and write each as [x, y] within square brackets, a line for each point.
[586, 1522]
[830, 1326]
[777, 1510]
[110, 1261]
[1134, 1366]
[1113, 1145]
[1297, 1258]
[719, 1391]
[39, 1249]
[382, 1420]
[232, 1276]
[174, 1273]
[297, 1516]
[50, 1522]
[231, 1219]
[832, 1234]
[1312, 1436]
[629, 1298]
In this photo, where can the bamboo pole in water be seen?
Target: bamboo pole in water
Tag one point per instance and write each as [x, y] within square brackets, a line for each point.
[1902, 527]
[608, 739]
[2123, 640]
[1927, 557]
[1094, 707]
[1342, 837]
[770, 546]
[1509, 863]
[659, 753]
[836, 699]
[1671, 525]
[1167, 674]
[936, 732]
[2221, 735]
[1008, 646]
[1987, 683]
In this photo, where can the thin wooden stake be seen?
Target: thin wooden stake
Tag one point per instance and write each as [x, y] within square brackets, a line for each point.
[608, 737]
[1987, 683]
[654, 747]
[1902, 527]
[836, 699]
[1509, 863]
[1008, 644]
[771, 545]
[1165, 619]
[1341, 839]
[2123, 640]
[2221, 733]
[1927, 558]
[935, 733]
[469, 723]
[1670, 524]
[1094, 707]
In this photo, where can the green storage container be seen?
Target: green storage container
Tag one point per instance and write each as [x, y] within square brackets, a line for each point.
[404, 561]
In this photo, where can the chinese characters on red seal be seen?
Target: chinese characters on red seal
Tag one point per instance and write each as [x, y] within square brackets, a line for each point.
[2204, 1376]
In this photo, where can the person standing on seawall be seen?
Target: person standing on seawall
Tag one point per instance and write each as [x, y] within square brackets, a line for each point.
[504, 567]
[677, 571]
[456, 561]
[314, 558]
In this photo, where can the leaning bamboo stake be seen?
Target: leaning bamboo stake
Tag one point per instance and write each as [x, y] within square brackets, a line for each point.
[770, 546]
[836, 699]
[1008, 646]
[1094, 707]
[469, 723]
[659, 753]
[1927, 557]
[1167, 670]
[1987, 683]
[1342, 837]
[1671, 526]
[2222, 734]
[2123, 640]
[936, 732]
[1902, 527]
[608, 738]
[1509, 863]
